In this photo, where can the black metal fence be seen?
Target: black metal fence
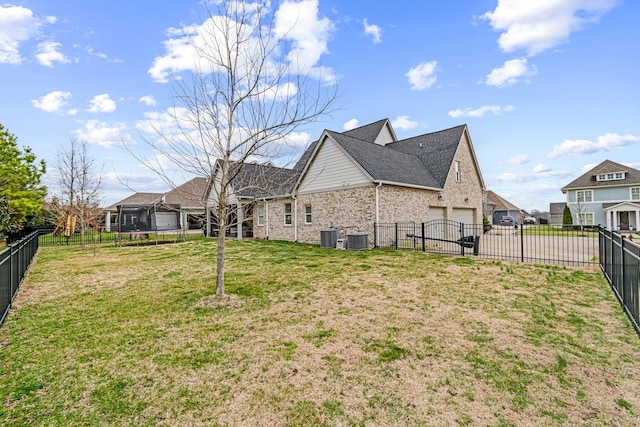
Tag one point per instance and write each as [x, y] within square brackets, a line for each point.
[14, 262]
[620, 263]
[91, 237]
[529, 243]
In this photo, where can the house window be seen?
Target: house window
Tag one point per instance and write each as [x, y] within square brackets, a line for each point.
[635, 193]
[260, 214]
[583, 196]
[307, 214]
[457, 169]
[585, 218]
[288, 218]
[611, 176]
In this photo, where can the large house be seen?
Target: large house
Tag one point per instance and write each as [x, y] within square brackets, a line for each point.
[354, 179]
[608, 194]
[496, 206]
[181, 208]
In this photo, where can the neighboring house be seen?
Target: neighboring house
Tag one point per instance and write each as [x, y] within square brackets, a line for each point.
[495, 207]
[556, 212]
[354, 179]
[135, 210]
[609, 195]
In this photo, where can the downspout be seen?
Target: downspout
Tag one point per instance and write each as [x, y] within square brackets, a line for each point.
[378, 202]
[375, 232]
[295, 218]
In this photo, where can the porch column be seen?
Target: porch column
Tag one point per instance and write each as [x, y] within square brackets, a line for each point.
[240, 216]
[637, 225]
[107, 221]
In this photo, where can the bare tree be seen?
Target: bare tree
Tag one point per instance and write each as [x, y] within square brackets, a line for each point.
[79, 186]
[246, 97]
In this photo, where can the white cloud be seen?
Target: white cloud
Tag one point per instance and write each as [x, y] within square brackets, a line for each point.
[148, 100]
[299, 22]
[422, 76]
[17, 25]
[296, 22]
[48, 54]
[479, 112]
[538, 172]
[535, 26]
[102, 104]
[519, 159]
[91, 51]
[540, 168]
[350, 124]
[511, 72]
[403, 123]
[373, 30]
[103, 134]
[605, 142]
[53, 102]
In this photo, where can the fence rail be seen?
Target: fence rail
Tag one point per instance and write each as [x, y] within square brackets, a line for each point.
[620, 264]
[14, 262]
[529, 243]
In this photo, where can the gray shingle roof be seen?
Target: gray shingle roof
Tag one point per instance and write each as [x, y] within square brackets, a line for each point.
[188, 195]
[499, 203]
[384, 164]
[588, 179]
[368, 132]
[435, 150]
[137, 199]
[256, 180]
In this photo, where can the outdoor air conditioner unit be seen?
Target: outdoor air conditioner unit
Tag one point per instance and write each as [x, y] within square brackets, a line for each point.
[357, 241]
[328, 238]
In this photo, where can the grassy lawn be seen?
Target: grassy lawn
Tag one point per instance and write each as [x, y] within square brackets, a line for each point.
[550, 230]
[310, 336]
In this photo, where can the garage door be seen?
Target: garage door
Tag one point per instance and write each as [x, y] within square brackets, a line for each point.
[464, 215]
[436, 213]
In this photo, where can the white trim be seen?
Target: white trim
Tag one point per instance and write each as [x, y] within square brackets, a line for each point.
[584, 215]
[631, 194]
[398, 184]
[284, 213]
[260, 205]
[585, 196]
[310, 213]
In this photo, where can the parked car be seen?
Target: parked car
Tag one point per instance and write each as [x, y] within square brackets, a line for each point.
[506, 220]
[530, 220]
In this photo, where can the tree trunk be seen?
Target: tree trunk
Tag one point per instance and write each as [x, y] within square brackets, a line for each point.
[222, 231]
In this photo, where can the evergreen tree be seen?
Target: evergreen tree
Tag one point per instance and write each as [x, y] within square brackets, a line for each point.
[567, 219]
[20, 184]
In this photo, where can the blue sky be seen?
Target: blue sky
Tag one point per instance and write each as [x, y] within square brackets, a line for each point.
[548, 88]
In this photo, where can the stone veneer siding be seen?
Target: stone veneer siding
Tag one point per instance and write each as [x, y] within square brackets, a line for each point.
[354, 209]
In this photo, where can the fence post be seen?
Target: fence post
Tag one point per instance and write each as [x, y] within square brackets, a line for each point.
[396, 239]
[462, 239]
[424, 247]
[521, 243]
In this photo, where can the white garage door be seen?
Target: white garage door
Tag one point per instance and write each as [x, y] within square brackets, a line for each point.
[436, 213]
[464, 215]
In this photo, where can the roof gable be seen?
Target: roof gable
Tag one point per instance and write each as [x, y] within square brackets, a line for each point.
[138, 199]
[383, 164]
[588, 179]
[376, 132]
[499, 203]
[435, 150]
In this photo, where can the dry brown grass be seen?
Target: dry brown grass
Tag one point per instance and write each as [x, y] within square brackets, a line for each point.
[309, 336]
